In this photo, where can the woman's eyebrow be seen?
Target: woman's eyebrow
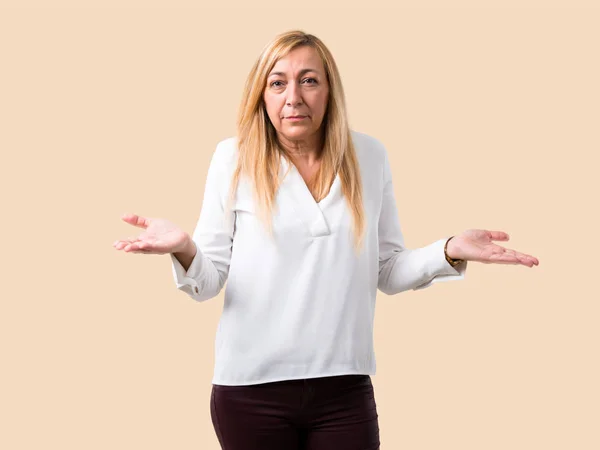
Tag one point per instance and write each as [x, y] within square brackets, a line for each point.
[302, 72]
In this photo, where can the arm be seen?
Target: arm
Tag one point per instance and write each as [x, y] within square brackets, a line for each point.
[186, 256]
[401, 269]
[202, 268]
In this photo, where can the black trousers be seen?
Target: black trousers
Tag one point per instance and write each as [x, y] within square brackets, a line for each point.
[337, 412]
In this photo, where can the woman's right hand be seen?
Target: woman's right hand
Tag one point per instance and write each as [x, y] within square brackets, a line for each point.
[159, 236]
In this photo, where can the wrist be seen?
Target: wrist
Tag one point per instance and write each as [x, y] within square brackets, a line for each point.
[187, 248]
[191, 246]
[448, 253]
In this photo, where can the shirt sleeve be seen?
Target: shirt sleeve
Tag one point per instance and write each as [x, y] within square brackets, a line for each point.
[401, 269]
[213, 236]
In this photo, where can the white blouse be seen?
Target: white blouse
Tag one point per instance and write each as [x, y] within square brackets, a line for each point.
[301, 303]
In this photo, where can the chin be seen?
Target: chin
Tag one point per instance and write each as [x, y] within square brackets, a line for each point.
[298, 128]
[299, 133]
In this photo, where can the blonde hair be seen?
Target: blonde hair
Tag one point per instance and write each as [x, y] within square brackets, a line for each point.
[259, 151]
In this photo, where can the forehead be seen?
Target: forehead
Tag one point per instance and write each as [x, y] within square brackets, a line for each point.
[298, 60]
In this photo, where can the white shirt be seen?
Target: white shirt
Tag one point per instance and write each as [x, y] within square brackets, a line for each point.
[302, 304]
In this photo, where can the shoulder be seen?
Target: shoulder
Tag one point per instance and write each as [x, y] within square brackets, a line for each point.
[363, 143]
[370, 152]
[226, 150]
[368, 149]
[367, 145]
[224, 156]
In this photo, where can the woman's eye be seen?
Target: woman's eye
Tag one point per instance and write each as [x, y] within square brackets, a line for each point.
[273, 84]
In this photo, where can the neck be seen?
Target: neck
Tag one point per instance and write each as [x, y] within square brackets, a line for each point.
[306, 151]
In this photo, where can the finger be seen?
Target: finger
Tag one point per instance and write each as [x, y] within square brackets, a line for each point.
[120, 244]
[123, 242]
[503, 258]
[518, 257]
[134, 246]
[531, 258]
[136, 220]
[528, 260]
[513, 257]
[140, 246]
[498, 249]
[142, 251]
[499, 236]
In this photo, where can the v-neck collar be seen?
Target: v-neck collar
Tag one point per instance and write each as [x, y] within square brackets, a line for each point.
[294, 190]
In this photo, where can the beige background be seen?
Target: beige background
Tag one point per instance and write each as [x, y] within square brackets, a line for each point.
[490, 114]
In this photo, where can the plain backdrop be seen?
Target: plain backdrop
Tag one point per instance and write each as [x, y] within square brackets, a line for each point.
[489, 112]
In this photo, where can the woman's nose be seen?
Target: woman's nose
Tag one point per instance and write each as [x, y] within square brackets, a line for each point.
[293, 95]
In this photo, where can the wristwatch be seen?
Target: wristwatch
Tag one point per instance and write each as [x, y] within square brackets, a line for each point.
[452, 262]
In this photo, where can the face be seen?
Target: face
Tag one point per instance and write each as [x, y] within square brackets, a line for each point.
[297, 86]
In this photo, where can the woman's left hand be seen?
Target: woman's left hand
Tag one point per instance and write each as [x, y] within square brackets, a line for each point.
[477, 245]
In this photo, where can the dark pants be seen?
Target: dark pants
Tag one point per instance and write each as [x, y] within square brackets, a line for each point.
[337, 412]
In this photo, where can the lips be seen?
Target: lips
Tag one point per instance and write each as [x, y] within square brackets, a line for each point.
[294, 117]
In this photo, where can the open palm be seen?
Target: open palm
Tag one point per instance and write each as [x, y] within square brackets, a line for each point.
[477, 245]
[160, 236]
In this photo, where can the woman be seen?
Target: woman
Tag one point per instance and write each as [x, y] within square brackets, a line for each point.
[299, 217]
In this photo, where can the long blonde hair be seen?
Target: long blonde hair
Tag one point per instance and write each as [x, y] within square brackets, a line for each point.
[259, 151]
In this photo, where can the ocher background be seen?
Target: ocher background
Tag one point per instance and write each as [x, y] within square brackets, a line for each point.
[490, 114]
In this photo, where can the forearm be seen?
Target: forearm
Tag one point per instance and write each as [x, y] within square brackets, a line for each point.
[417, 268]
[186, 256]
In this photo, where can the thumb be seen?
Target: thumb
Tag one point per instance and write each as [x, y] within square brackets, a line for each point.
[499, 236]
[136, 220]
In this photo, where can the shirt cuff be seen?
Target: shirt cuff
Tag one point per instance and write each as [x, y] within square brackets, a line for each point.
[191, 277]
[439, 268]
